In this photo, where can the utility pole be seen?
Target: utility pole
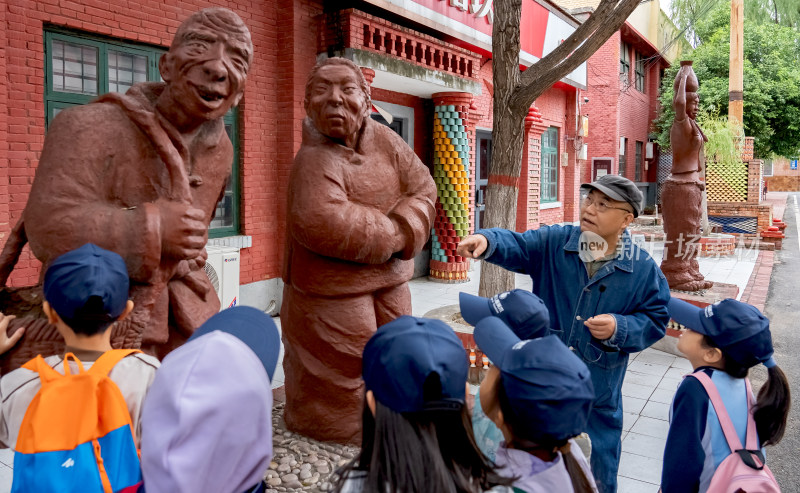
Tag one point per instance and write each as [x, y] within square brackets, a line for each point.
[736, 75]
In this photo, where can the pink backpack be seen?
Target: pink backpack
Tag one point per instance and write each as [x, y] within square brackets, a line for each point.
[744, 471]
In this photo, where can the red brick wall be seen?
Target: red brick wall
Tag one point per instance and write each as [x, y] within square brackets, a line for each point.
[558, 110]
[763, 212]
[296, 27]
[557, 106]
[603, 106]
[4, 144]
[266, 152]
[616, 112]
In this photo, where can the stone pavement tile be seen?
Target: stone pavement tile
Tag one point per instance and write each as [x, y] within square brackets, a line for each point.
[642, 378]
[662, 395]
[658, 410]
[629, 485]
[676, 373]
[651, 427]
[670, 384]
[648, 368]
[7, 457]
[637, 391]
[647, 446]
[682, 363]
[632, 404]
[656, 357]
[628, 420]
[640, 467]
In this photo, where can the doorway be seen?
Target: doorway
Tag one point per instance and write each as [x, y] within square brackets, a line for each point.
[482, 167]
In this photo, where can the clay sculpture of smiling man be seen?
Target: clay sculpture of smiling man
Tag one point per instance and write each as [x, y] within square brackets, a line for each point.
[140, 174]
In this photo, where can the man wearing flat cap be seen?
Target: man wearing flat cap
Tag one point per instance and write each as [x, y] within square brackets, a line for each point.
[607, 297]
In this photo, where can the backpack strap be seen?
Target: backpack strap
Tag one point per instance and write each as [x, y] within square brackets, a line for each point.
[106, 362]
[722, 414]
[40, 366]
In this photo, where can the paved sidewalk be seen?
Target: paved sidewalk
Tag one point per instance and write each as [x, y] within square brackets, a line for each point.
[778, 201]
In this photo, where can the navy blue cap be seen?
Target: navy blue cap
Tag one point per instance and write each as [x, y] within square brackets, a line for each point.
[523, 311]
[253, 327]
[620, 189]
[80, 274]
[740, 330]
[549, 388]
[402, 354]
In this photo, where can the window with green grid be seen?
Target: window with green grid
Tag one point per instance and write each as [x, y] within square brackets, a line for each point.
[81, 67]
[550, 165]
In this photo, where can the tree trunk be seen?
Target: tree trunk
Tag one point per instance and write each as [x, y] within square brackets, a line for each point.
[501, 191]
[515, 92]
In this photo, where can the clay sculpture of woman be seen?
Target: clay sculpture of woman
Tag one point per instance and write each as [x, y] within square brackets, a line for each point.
[682, 194]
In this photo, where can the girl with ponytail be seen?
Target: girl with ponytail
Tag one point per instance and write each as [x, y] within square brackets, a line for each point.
[722, 341]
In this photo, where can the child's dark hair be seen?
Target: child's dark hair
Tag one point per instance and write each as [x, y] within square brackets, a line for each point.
[432, 450]
[580, 483]
[773, 402]
[91, 318]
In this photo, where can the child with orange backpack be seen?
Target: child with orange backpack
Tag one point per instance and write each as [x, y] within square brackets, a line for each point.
[75, 427]
[714, 412]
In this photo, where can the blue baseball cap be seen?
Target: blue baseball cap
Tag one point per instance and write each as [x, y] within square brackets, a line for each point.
[80, 274]
[253, 327]
[402, 354]
[549, 388]
[523, 311]
[740, 330]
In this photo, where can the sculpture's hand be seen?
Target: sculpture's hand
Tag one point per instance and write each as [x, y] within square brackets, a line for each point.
[183, 229]
[7, 342]
[472, 246]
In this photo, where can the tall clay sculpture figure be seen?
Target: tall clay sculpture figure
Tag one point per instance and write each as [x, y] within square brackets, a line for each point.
[682, 195]
[140, 174]
[360, 207]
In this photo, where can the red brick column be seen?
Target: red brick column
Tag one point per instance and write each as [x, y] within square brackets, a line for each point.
[453, 137]
[530, 174]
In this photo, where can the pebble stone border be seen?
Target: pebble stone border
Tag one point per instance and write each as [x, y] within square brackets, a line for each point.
[300, 463]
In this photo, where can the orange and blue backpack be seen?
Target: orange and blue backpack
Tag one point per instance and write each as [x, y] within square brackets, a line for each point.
[76, 435]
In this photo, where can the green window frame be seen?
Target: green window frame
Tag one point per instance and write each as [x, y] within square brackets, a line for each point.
[624, 59]
[623, 159]
[79, 67]
[550, 165]
[640, 72]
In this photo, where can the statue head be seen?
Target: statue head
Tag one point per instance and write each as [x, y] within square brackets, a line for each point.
[337, 99]
[206, 66]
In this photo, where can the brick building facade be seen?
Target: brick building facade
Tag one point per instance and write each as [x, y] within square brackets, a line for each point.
[622, 103]
[57, 53]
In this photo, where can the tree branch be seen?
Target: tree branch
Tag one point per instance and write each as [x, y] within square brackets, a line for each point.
[552, 68]
[582, 33]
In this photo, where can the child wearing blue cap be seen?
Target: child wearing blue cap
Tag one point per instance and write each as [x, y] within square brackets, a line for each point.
[85, 292]
[722, 341]
[537, 392]
[417, 435]
[529, 318]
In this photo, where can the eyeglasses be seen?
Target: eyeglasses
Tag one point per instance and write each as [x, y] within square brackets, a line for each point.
[601, 204]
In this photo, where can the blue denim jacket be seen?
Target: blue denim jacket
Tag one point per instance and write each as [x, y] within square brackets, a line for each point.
[631, 288]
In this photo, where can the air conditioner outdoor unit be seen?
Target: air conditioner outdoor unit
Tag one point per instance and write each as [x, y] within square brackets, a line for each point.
[222, 268]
